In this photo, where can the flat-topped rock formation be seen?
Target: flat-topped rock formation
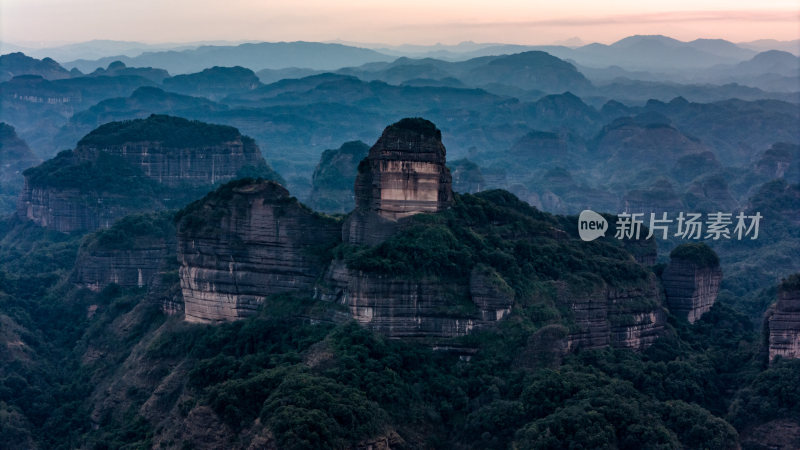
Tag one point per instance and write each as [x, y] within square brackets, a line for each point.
[691, 280]
[175, 151]
[464, 268]
[404, 174]
[135, 166]
[245, 241]
[784, 322]
[84, 190]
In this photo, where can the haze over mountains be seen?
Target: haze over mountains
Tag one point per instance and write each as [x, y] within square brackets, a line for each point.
[324, 245]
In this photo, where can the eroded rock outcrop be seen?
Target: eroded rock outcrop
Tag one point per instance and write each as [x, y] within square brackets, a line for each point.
[691, 280]
[130, 254]
[245, 241]
[623, 316]
[83, 191]
[175, 151]
[404, 174]
[408, 307]
[784, 322]
[135, 166]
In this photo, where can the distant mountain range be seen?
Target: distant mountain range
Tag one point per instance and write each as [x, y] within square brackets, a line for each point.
[635, 53]
[264, 55]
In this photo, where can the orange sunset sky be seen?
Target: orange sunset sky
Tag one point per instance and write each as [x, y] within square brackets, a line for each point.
[41, 22]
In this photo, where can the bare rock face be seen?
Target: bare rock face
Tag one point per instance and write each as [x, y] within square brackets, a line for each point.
[404, 174]
[133, 166]
[625, 317]
[127, 268]
[411, 308]
[175, 151]
[691, 280]
[130, 254]
[245, 241]
[784, 323]
[84, 191]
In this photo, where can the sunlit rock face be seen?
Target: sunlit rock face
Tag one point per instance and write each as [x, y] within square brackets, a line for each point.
[404, 174]
[784, 322]
[244, 242]
[691, 288]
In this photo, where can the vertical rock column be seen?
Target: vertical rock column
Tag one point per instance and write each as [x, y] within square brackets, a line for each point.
[784, 324]
[404, 174]
[691, 280]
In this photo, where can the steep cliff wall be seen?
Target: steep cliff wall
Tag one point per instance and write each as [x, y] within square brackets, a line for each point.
[137, 165]
[83, 191]
[245, 241]
[404, 174]
[175, 151]
[129, 254]
[625, 317]
[784, 323]
[429, 307]
[691, 280]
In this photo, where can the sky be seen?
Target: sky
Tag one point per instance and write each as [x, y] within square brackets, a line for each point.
[43, 22]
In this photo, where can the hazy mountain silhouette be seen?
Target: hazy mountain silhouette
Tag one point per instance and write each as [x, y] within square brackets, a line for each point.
[14, 64]
[265, 55]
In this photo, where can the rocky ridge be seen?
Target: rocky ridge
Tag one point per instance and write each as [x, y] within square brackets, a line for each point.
[244, 242]
[131, 253]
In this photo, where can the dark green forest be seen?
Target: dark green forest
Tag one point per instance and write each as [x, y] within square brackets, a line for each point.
[334, 385]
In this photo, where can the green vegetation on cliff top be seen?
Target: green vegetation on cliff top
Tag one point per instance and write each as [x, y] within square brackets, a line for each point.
[418, 125]
[169, 130]
[698, 253]
[496, 229]
[99, 172]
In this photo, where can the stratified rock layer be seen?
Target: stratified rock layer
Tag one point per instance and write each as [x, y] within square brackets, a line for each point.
[70, 210]
[784, 324]
[127, 268]
[691, 288]
[194, 166]
[409, 308]
[244, 242]
[626, 317]
[130, 254]
[404, 174]
[132, 166]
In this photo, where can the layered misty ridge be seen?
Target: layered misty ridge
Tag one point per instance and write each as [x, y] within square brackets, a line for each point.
[238, 253]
